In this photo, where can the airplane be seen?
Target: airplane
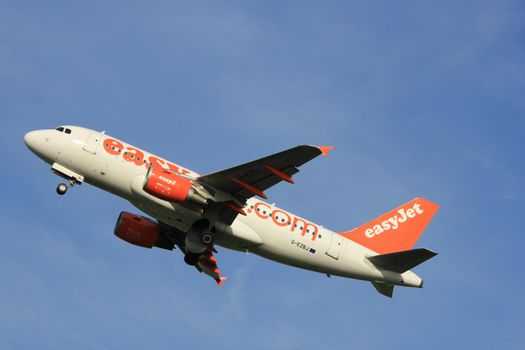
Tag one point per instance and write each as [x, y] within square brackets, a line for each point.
[197, 213]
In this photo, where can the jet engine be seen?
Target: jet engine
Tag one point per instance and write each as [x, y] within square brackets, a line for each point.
[167, 185]
[141, 231]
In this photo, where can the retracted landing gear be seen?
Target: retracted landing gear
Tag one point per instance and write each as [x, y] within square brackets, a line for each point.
[191, 259]
[207, 238]
[199, 238]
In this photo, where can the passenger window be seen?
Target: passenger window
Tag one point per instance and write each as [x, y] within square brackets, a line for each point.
[68, 131]
[61, 129]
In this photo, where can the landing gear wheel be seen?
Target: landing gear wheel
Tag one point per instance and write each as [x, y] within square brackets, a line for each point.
[207, 238]
[62, 189]
[191, 259]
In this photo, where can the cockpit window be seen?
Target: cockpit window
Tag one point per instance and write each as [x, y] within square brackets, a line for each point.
[62, 129]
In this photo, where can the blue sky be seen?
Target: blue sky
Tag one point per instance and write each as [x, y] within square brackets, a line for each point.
[419, 98]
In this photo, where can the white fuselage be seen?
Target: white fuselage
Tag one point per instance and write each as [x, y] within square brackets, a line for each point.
[266, 230]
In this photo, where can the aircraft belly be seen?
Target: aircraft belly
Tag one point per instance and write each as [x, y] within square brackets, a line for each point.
[125, 180]
[290, 248]
[175, 217]
[329, 253]
[237, 236]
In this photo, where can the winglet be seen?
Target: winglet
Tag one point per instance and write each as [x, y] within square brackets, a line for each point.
[220, 280]
[325, 150]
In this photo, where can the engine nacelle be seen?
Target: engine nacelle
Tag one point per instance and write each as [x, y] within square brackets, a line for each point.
[140, 231]
[167, 185]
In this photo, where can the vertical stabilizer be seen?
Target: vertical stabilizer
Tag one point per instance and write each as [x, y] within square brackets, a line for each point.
[396, 230]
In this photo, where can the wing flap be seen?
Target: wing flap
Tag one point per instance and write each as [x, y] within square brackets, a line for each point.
[262, 173]
[207, 263]
[239, 183]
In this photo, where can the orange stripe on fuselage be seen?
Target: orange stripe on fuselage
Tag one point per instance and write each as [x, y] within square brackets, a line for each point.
[137, 157]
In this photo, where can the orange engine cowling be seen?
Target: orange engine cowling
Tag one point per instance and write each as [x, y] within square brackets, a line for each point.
[167, 185]
[137, 230]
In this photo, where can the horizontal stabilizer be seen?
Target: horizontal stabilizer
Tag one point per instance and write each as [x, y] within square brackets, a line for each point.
[402, 261]
[386, 289]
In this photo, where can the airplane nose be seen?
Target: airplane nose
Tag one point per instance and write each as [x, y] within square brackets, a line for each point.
[37, 142]
[29, 139]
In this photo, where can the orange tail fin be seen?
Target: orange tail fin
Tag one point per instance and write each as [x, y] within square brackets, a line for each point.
[396, 230]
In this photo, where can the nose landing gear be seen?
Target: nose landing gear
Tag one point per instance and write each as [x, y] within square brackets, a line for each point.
[62, 187]
[72, 178]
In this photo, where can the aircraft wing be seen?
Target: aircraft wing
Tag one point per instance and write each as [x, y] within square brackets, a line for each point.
[245, 181]
[253, 178]
[208, 264]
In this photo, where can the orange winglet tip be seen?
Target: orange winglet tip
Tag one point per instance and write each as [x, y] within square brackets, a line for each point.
[280, 174]
[249, 187]
[325, 150]
[220, 280]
